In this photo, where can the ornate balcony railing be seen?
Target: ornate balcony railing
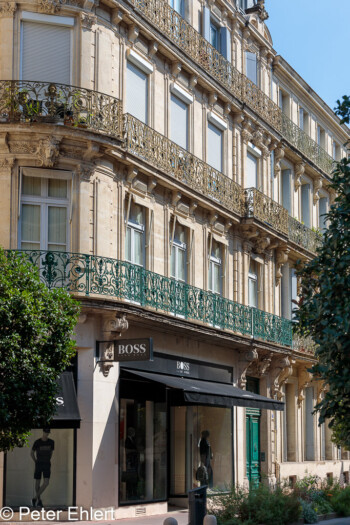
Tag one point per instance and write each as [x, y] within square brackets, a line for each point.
[303, 236]
[304, 344]
[180, 32]
[89, 275]
[27, 101]
[266, 210]
[143, 141]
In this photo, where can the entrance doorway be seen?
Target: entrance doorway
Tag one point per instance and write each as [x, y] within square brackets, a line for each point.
[253, 436]
[200, 448]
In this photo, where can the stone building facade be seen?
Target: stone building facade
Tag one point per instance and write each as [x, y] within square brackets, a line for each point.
[162, 162]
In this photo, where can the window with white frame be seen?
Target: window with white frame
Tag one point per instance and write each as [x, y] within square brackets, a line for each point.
[306, 204]
[215, 267]
[135, 235]
[136, 92]
[178, 121]
[251, 66]
[215, 146]
[44, 214]
[251, 176]
[46, 48]
[179, 6]
[253, 284]
[178, 258]
[217, 34]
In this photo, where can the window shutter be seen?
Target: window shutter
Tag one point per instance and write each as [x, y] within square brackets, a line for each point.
[252, 171]
[305, 204]
[323, 208]
[214, 147]
[206, 23]
[178, 117]
[251, 67]
[286, 292]
[136, 92]
[225, 43]
[286, 194]
[46, 52]
[294, 290]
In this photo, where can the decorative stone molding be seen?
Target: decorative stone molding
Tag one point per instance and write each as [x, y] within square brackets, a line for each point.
[250, 232]
[4, 147]
[87, 20]
[7, 9]
[115, 325]
[85, 171]
[176, 197]
[227, 109]
[245, 361]
[92, 152]
[279, 154]
[133, 33]
[299, 170]
[6, 162]
[261, 244]
[152, 183]
[132, 174]
[22, 147]
[193, 207]
[176, 69]
[49, 6]
[193, 81]
[304, 380]
[152, 49]
[259, 140]
[107, 362]
[317, 187]
[321, 390]
[246, 131]
[261, 366]
[281, 259]
[280, 370]
[48, 151]
[117, 16]
[213, 98]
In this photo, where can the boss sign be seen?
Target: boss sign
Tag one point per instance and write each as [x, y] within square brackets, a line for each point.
[133, 350]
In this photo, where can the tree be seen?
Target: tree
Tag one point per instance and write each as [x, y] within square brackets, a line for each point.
[36, 325]
[324, 306]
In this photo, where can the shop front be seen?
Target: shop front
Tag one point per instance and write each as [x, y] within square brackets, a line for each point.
[44, 471]
[176, 428]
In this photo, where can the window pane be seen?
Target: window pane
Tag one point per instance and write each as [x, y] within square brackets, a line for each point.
[58, 188]
[252, 292]
[214, 40]
[251, 67]
[173, 262]
[323, 207]
[31, 186]
[57, 228]
[136, 92]
[305, 204]
[214, 147]
[128, 244]
[179, 119]
[216, 250]
[30, 223]
[252, 171]
[286, 190]
[136, 214]
[30, 246]
[181, 265]
[179, 235]
[216, 278]
[138, 247]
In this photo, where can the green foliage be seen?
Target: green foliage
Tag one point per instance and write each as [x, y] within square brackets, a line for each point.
[341, 502]
[324, 309]
[343, 110]
[319, 503]
[36, 325]
[309, 514]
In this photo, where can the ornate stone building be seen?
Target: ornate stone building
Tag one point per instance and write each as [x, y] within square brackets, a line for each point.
[160, 161]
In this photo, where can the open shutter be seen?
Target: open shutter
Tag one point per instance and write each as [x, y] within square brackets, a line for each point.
[206, 23]
[46, 52]
[225, 43]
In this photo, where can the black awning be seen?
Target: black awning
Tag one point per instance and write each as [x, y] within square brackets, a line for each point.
[67, 410]
[199, 392]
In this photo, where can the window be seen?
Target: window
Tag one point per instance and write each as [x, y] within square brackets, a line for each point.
[289, 292]
[214, 147]
[286, 190]
[309, 425]
[136, 92]
[215, 268]
[178, 257]
[306, 204]
[46, 51]
[215, 35]
[179, 121]
[303, 120]
[44, 214]
[321, 137]
[135, 235]
[179, 6]
[336, 151]
[322, 210]
[253, 285]
[251, 66]
[284, 102]
[252, 171]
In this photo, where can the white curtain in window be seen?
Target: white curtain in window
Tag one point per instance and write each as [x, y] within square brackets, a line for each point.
[251, 67]
[57, 228]
[136, 92]
[252, 171]
[46, 52]
[214, 147]
[57, 188]
[179, 121]
[30, 227]
[31, 186]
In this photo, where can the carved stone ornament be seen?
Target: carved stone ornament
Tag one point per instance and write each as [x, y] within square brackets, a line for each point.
[260, 367]
[245, 361]
[107, 359]
[250, 232]
[281, 259]
[6, 162]
[116, 325]
[85, 171]
[304, 380]
[7, 9]
[21, 147]
[87, 20]
[49, 6]
[317, 187]
[280, 370]
[48, 151]
[279, 154]
[261, 244]
[299, 171]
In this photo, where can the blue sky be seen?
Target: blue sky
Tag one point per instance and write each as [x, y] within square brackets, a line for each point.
[314, 37]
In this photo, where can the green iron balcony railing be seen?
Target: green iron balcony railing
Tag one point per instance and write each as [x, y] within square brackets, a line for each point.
[171, 24]
[261, 207]
[303, 236]
[145, 142]
[31, 101]
[90, 275]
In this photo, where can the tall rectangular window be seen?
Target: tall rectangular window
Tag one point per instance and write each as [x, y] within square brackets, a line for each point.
[179, 6]
[306, 204]
[309, 424]
[253, 285]
[252, 171]
[136, 92]
[46, 52]
[179, 121]
[286, 190]
[321, 137]
[179, 254]
[215, 143]
[214, 35]
[44, 214]
[251, 66]
[135, 235]
[322, 210]
[301, 119]
[215, 268]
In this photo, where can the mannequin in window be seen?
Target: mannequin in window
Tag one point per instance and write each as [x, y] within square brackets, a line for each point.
[132, 464]
[41, 454]
[206, 455]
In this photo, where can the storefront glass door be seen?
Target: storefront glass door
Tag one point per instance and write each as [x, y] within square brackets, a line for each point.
[200, 448]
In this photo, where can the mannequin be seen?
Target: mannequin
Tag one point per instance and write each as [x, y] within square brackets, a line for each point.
[206, 455]
[41, 454]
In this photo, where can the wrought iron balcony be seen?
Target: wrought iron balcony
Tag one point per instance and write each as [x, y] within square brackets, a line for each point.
[304, 344]
[180, 32]
[90, 275]
[145, 142]
[27, 101]
[266, 210]
[303, 236]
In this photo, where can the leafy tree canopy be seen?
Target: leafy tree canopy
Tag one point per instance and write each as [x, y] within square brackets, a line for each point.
[324, 311]
[36, 325]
